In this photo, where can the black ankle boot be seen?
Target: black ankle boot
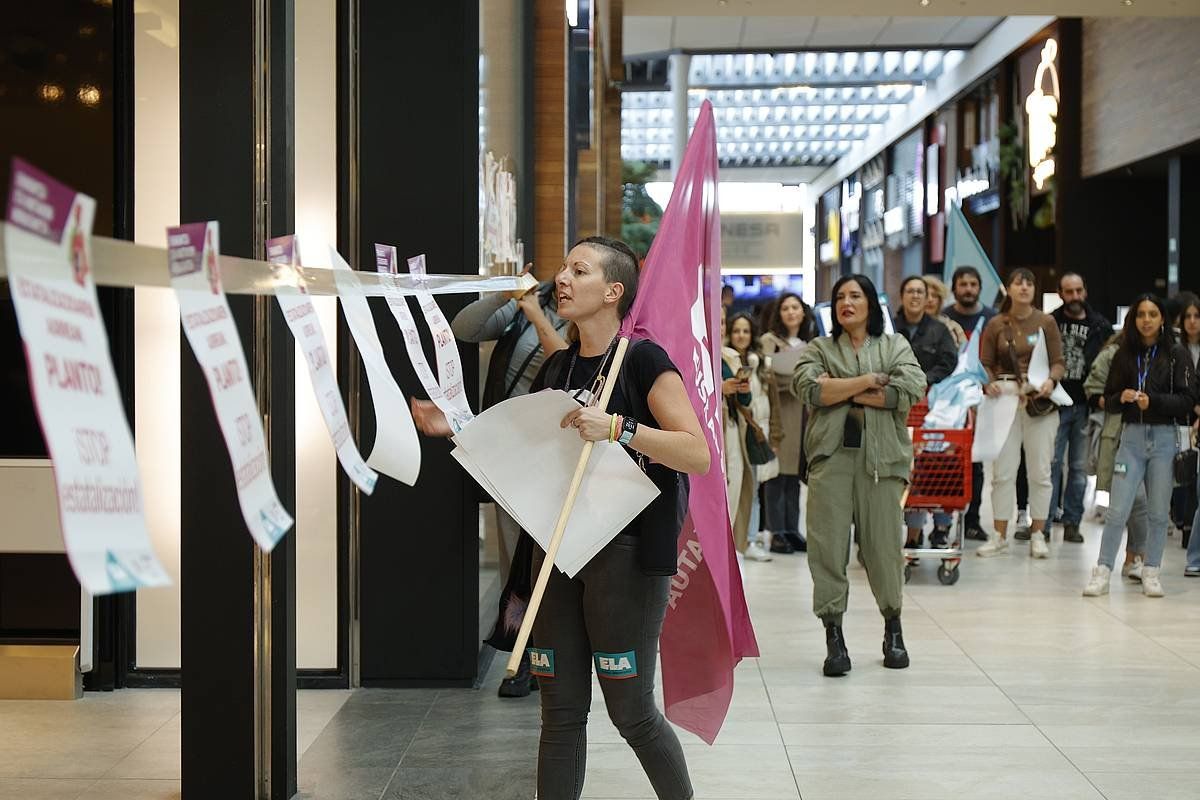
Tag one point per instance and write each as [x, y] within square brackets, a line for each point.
[519, 685]
[837, 660]
[895, 656]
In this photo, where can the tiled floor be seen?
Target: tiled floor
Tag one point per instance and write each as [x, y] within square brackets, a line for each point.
[114, 746]
[1019, 688]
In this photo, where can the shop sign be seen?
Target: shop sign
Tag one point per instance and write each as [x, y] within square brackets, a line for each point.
[762, 240]
[893, 221]
[1042, 109]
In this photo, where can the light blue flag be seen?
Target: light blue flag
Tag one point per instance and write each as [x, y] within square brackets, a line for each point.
[963, 389]
[964, 250]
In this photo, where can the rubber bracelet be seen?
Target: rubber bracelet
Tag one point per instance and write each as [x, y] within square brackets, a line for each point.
[612, 428]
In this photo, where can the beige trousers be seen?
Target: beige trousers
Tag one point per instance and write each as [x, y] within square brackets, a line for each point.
[1036, 436]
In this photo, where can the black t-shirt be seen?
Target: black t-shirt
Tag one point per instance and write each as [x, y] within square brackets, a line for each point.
[658, 524]
[968, 321]
[644, 362]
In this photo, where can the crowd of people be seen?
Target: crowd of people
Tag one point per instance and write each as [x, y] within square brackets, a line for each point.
[831, 411]
[1129, 421]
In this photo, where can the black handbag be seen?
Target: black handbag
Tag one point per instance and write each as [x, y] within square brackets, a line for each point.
[1034, 406]
[758, 450]
[1186, 465]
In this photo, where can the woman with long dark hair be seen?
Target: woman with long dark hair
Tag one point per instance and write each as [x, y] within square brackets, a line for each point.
[858, 384]
[1152, 382]
[1183, 499]
[792, 326]
[760, 416]
[1005, 347]
[612, 611]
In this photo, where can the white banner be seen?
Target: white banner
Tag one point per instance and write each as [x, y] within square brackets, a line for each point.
[397, 450]
[193, 262]
[458, 414]
[75, 386]
[306, 327]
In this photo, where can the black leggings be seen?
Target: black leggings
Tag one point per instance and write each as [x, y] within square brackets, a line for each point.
[609, 615]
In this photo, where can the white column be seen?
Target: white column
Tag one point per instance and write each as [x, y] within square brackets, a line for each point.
[680, 65]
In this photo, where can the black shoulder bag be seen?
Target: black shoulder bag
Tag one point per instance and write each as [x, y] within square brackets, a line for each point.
[1034, 406]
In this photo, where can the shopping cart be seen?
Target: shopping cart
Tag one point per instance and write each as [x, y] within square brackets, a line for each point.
[940, 481]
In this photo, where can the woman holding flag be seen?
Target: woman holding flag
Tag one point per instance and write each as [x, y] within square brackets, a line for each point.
[859, 384]
[611, 613]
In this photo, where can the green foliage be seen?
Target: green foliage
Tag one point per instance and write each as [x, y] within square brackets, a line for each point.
[1012, 169]
[640, 215]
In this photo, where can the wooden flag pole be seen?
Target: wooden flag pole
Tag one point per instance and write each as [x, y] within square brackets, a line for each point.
[539, 589]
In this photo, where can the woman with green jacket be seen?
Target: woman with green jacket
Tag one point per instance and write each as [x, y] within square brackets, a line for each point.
[859, 384]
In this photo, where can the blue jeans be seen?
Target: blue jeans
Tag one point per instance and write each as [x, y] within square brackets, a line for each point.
[753, 534]
[915, 518]
[1145, 457]
[782, 494]
[1193, 551]
[1072, 434]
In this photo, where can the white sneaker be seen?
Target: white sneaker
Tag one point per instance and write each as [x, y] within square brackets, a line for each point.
[1098, 584]
[1037, 545]
[1133, 570]
[756, 552]
[1151, 585]
[1023, 520]
[996, 546]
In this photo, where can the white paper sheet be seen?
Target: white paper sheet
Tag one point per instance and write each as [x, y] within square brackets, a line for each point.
[210, 330]
[305, 325]
[993, 420]
[518, 452]
[397, 450]
[458, 414]
[1039, 371]
[74, 385]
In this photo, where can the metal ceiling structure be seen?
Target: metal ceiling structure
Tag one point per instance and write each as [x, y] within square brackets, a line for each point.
[778, 109]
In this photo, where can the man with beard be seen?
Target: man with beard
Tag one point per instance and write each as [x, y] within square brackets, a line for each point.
[1083, 335]
[966, 310]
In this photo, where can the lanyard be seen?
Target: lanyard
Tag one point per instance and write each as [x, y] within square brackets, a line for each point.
[597, 379]
[1145, 373]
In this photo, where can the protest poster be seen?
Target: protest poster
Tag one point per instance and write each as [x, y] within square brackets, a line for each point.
[302, 320]
[458, 412]
[193, 257]
[74, 385]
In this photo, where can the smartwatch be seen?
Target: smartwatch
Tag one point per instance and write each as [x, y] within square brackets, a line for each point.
[628, 429]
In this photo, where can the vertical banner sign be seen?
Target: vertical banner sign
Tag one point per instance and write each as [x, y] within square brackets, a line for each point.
[193, 257]
[302, 318]
[75, 386]
[450, 374]
[457, 414]
[707, 629]
[397, 450]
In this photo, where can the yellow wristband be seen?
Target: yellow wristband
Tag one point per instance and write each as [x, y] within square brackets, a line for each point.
[612, 428]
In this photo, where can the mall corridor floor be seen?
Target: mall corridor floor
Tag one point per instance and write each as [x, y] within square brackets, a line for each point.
[1019, 688]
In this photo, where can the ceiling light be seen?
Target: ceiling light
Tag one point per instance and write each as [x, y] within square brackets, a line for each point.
[1126, 2]
[89, 95]
[925, 4]
[50, 92]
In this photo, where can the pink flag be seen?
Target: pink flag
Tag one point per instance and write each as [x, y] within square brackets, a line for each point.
[678, 305]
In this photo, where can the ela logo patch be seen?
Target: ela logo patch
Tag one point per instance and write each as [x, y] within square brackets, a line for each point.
[541, 662]
[617, 666]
